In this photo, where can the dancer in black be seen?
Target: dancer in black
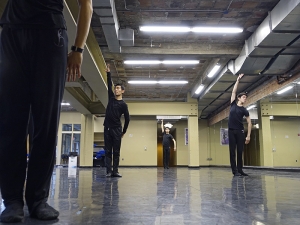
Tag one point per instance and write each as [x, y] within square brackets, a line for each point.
[236, 129]
[167, 137]
[33, 62]
[113, 132]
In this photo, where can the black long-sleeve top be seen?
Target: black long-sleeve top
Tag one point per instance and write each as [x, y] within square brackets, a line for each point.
[114, 110]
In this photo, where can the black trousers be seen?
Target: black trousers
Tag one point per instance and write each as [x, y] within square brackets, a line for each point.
[32, 76]
[236, 142]
[166, 156]
[112, 141]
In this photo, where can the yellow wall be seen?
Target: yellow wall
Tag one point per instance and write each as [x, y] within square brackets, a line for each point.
[203, 142]
[141, 134]
[217, 152]
[285, 140]
[182, 149]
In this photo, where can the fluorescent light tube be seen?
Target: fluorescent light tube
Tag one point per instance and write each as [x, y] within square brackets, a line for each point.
[142, 62]
[157, 82]
[165, 29]
[251, 107]
[63, 103]
[180, 62]
[173, 82]
[199, 89]
[142, 82]
[224, 30]
[153, 62]
[214, 71]
[284, 90]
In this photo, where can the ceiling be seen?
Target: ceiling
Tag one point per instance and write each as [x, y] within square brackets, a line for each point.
[208, 48]
[267, 49]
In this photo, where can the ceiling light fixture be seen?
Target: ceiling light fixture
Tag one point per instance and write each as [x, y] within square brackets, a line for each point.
[199, 89]
[157, 82]
[214, 71]
[155, 62]
[165, 29]
[223, 30]
[284, 90]
[251, 107]
[65, 103]
[180, 62]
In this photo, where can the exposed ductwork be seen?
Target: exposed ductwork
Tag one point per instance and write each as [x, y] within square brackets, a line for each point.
[273, 49]
[274, 46]
[114, 36]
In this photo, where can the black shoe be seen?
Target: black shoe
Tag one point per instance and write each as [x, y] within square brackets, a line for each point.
[45, 212]
[108, 175]
[116, 175]
[237, 175]
[167, 167]
[12, 213]
[244, 174]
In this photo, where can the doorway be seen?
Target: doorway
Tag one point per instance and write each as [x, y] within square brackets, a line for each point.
[173, 159]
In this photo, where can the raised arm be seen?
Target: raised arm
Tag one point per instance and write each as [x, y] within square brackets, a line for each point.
[83, 26]
[109, 82]
[249, 129]
[162, 126]
[233, 95]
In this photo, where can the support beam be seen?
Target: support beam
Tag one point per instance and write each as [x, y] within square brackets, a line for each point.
[86, 141]
[258, 93]
[93, 66]
[193, 141]
[162, 108]
[203, 49]
[75, 103]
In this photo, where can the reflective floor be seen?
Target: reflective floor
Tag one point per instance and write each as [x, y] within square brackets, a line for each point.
[176, 196]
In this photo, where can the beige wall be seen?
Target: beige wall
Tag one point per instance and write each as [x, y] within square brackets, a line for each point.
[182, 149]
[98, 124]
[139, 144]
[285, 141]
[142, 132]
[203, 143]
[217, 152]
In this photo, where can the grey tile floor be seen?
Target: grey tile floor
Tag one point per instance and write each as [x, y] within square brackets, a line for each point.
[208, 196]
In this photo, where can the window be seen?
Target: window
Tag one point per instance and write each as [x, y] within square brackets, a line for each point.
[70, 139]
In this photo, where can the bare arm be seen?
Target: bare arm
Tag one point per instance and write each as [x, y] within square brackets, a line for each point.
[249, 130]
[174, 144]
[162, 126]
[83, 26]
[233, 95]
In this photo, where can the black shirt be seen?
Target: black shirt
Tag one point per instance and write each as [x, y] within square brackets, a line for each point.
[115, 109]
[166, 139]
[236, 116]
[34, 14]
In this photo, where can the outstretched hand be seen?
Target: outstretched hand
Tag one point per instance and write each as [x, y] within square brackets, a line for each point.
[107, 68]
[240, 76]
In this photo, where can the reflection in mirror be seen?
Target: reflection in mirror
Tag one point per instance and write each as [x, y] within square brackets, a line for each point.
[281, 108]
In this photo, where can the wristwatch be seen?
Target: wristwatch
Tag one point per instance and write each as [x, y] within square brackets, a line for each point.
[76, 49]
